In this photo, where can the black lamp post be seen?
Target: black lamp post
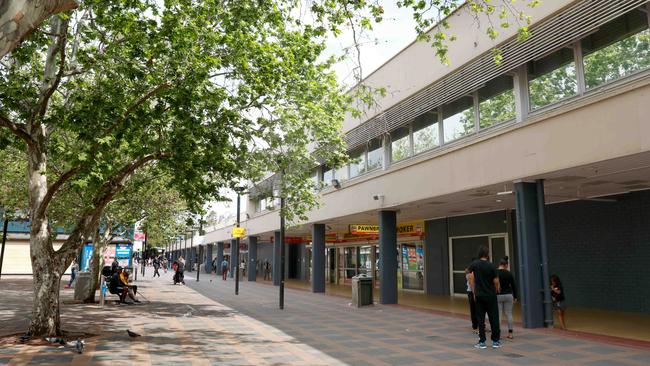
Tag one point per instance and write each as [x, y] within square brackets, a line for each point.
[4, 239]
[281, 252]
[239, 191]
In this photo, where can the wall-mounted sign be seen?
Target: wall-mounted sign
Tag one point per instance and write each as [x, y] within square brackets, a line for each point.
[364, 229]
[238, 232]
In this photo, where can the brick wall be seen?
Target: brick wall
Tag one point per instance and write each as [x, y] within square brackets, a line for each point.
[601, 251]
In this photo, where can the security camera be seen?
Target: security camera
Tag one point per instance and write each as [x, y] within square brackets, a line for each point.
[375, 197]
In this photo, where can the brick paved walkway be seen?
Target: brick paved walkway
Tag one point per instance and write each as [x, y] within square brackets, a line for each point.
[396, 335]
[178, 326]
[181, 326]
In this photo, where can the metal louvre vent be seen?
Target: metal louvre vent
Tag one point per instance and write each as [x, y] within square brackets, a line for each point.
[567, 26]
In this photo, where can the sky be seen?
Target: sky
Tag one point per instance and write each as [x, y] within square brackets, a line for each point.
[394, 33]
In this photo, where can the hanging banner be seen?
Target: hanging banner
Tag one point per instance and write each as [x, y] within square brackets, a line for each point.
[238, 232]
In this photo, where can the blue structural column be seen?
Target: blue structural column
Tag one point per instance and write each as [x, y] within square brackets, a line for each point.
[387, 257]
[533, 254]
[318, 258]
[234, 256]
[219, 257]
[251, 268]
[276, 258]
[208, 258]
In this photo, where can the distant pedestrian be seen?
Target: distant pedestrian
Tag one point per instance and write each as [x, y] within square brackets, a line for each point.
[470, 298]
[508, 295]
[267, 270]
[156, 266]
[224, 269]
[559, 301]
[485, 285]
[243, 268]
[74, 267]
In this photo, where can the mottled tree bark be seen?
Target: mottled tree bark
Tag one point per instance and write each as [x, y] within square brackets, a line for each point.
[18, 18]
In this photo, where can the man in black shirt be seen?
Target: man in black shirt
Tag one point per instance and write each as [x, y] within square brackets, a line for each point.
[485, 285]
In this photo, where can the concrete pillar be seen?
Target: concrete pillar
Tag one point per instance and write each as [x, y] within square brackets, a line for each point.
[388, 257]
[251, 267]
[318, 258]
[219, 257]
[208, 258]
[531, 239]
[276, 258]
[234, 257]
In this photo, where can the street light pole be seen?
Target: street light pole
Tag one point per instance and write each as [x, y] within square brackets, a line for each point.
[4, 240]
[281, 252]
[238, 254]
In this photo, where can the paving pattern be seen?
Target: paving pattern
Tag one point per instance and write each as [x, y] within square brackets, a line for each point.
[204, 323]
[396, 335]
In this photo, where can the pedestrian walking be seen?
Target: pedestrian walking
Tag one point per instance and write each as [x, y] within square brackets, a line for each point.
[470, 298]
[243, 268]
[156, 266]
[74, 268]
[224, 269]
[267, 270]
[485, 285]
[508, 295]
[559, 300]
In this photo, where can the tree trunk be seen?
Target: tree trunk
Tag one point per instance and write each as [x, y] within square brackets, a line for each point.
[18, 18]
[46, 320]
[99, 243]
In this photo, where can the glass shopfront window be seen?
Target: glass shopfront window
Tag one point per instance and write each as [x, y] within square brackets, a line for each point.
[552, 78]
[412, 266]
[619, 48]
[328, 176]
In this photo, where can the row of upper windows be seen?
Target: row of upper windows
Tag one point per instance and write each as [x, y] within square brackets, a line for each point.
[615, 50]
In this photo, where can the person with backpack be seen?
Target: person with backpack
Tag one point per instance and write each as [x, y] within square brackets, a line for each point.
[224, 269]
[485, 286]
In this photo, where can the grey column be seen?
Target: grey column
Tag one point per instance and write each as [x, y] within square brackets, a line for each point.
[276, 258]
[531, 235]
[388, 257]
[318, 258]
[234, 257]
[208, 258]
[219, 257]
[252, 258]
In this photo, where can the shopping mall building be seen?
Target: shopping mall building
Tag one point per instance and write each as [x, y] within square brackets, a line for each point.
[543, 157]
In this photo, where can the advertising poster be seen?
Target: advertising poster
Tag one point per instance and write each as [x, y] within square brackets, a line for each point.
[123, 254]
[86, 256]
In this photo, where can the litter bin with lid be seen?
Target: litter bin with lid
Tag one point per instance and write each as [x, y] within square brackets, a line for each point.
[361, 290]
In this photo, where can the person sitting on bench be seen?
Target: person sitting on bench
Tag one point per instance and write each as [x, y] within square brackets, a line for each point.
[119, 285]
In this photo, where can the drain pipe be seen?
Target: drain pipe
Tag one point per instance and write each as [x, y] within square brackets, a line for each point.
[541, 212]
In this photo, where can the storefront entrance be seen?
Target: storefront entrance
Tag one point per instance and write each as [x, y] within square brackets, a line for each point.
[463, 249]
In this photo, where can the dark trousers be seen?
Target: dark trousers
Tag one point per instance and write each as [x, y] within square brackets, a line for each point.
[472, 310]
[224, 273]
[488, 304]
[156, 272]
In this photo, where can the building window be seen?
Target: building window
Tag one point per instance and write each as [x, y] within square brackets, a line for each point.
[400, 145]
[458, 118]
[552, 78]
[425, 132]
[496, 102]
[375, 154]
[328, 176]
[358, 162]
[619, 48]
[342, 173]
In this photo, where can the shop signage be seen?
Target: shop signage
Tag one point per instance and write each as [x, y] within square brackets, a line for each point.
[364, 229]
[238, 232]
[410, 228]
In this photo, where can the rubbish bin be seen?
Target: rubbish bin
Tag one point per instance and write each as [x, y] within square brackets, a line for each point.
[361, 290]
[82, 285]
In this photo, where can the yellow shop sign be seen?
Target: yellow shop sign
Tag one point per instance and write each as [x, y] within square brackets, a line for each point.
[364, 229]
[238, 232]
[409, 228]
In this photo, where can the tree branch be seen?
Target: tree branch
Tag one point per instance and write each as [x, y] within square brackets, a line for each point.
[136, 105]
[17, 129]
[48, 87]
[90, 218]
[54, 188]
